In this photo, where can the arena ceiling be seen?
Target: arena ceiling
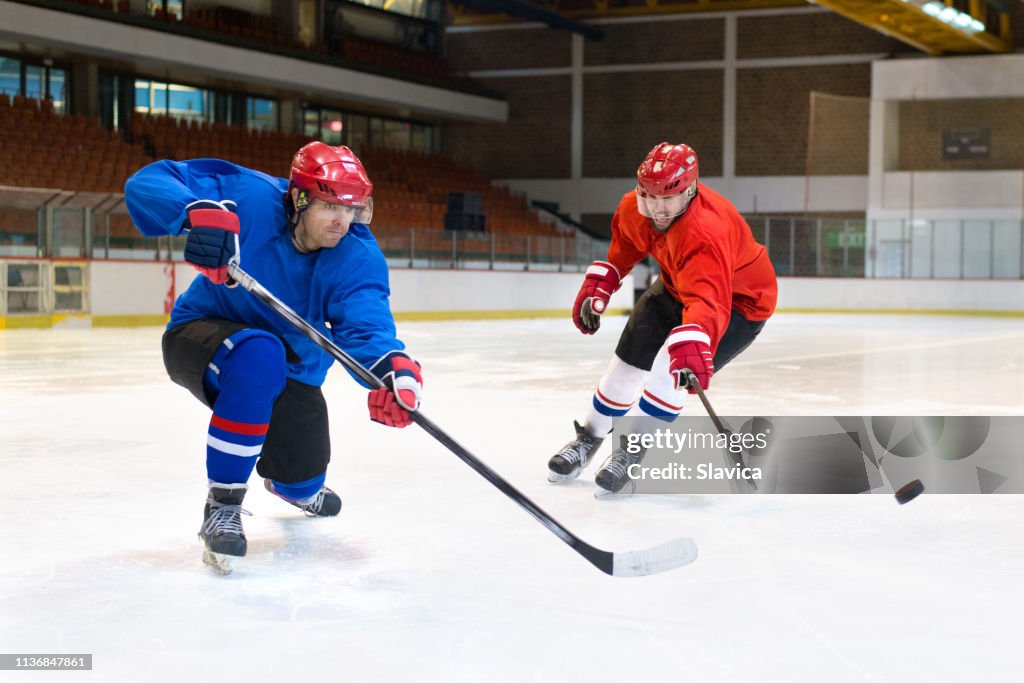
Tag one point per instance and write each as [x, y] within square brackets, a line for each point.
[935, 27]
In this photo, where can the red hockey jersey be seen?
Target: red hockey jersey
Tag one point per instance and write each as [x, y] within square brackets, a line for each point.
[708, 257]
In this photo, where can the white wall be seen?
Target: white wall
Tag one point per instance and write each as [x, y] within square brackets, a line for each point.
[467, 290]
[884, 294]
[124, 288]
[943, 194]
[119, 288]
[951, 195]
[945, 78]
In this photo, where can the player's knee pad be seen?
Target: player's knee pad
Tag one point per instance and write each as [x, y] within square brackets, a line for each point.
[254, 362]
[618, 387]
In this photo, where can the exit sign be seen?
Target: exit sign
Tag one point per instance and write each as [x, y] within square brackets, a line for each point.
[966, 143]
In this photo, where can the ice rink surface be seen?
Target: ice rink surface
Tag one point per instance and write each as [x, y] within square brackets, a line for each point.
[431, 574]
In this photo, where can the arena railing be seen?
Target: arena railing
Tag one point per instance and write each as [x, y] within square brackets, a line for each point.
[58, 224]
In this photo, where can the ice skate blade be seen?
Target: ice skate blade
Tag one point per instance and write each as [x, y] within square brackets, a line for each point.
[627, 490]
[605, 494]
[556, 478]
[219, 563]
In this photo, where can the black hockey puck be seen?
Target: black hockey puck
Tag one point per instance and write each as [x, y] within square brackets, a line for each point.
[909, 492]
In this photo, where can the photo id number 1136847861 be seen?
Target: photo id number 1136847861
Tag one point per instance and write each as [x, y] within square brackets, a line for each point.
[45, 662]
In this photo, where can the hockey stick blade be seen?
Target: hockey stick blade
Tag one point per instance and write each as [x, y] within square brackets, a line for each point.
[660, 558]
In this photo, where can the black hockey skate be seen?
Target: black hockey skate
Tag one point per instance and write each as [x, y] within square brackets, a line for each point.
[614, 473]
[326, 503]
[567, 463]
[222, 527]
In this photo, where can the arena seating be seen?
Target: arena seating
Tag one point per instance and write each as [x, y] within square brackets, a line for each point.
[411, 188]
[79, 153]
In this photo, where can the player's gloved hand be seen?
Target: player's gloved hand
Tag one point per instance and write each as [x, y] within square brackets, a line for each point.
[601, 282]
[212, 242]
[689, 347]
[390, 404]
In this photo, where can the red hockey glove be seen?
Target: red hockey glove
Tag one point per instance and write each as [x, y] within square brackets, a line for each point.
[601, 282]
[390, 405]
[384, 408]
[212, 242]
[689, 348]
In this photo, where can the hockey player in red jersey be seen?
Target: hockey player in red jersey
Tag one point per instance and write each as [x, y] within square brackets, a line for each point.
[717, 288]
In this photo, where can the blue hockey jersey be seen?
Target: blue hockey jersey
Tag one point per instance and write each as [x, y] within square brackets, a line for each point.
[342, 291]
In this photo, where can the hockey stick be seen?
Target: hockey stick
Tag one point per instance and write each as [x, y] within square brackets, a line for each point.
[660, 558]
[693, 383]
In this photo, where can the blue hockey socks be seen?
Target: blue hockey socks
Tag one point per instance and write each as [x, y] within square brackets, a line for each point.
[248, 373]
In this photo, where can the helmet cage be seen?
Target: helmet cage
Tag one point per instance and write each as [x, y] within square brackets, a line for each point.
[665, 207]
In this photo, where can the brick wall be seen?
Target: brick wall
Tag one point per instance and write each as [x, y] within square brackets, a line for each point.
[512, 49]
[626, 114]
[797, 35]
[773, 110]
[839, 135]
[666, 41]
[921, 125]
[535, 141]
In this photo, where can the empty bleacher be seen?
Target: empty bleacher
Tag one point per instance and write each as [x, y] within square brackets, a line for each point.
[410, 188]
[41, 149]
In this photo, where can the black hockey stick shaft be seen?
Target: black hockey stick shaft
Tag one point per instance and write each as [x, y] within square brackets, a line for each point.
[604, 560]
[693, 383]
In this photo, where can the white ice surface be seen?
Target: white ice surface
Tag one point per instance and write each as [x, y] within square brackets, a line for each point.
[431, 574]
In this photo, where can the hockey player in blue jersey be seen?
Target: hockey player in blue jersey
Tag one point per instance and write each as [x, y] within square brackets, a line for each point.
[306, 239]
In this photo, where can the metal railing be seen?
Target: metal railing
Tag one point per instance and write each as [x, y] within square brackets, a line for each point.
[812, 246]
[59, 224]
[419, 248]
[957, 249]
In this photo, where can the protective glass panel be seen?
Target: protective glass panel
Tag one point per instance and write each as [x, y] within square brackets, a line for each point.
[68, 232]
[1008, 250]
[921, 249]
[977, 249]
[946, 249]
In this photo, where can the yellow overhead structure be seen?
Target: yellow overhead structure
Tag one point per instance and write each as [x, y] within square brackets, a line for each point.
[930, 25]
[933, 26]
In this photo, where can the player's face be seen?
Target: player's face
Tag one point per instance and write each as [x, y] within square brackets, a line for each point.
[663, 209]
[322, 225]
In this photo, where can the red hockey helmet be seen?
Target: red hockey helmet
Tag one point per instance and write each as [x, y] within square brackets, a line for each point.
[668, 169]
[666, 182]
[334, 175]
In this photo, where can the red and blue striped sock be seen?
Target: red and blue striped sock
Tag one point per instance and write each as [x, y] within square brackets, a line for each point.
[247, 373]
[232, 448]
